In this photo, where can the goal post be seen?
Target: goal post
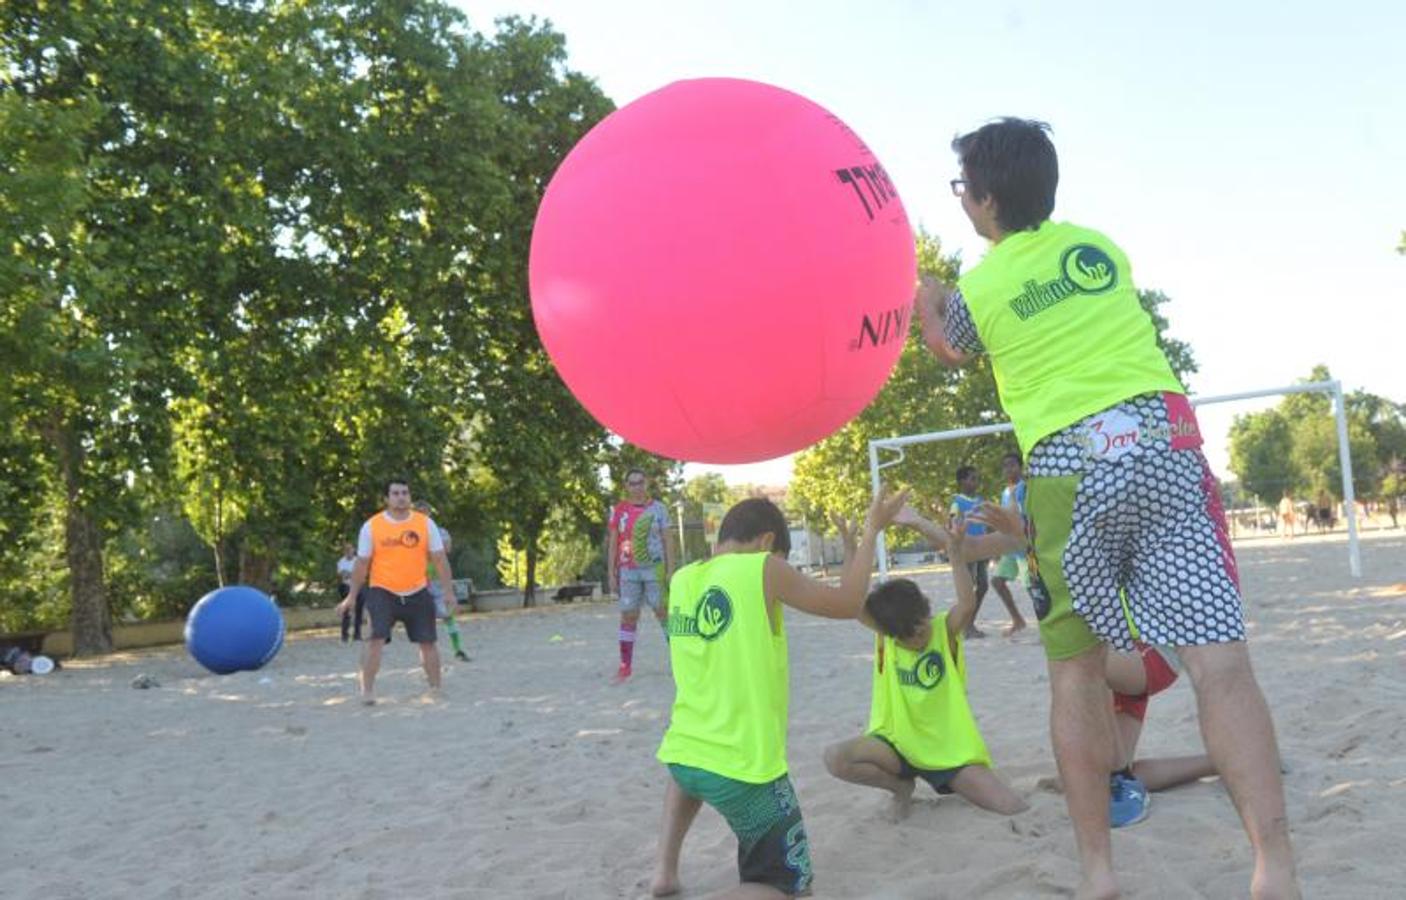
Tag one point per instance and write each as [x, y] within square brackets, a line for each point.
[1333, 388]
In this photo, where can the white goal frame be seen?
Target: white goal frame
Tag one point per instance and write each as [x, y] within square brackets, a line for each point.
[1335, 388]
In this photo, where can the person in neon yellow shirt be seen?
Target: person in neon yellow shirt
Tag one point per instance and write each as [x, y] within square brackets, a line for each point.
[920, 725]
[726, 740]
[1120, 500]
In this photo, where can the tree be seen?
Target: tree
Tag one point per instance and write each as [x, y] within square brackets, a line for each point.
[1261, 455]
[101, 293]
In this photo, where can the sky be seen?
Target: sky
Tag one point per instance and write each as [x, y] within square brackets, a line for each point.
[1249, 157]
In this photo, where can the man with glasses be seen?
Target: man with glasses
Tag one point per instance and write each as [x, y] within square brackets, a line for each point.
[1128, 534]
[639, 562]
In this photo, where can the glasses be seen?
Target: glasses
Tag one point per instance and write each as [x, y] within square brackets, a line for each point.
[959, 186]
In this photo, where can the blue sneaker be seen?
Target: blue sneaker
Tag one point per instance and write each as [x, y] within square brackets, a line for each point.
[1128, 801]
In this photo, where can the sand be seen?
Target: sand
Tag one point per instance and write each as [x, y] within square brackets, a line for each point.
[532, 776]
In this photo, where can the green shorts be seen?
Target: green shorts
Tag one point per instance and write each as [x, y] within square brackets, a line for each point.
[772, 848]
[1011, 568]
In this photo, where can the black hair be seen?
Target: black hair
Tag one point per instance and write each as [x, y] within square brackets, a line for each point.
[635, 471]
[898, 608]
[752, 518]
[1013, 455]
[1014, 161]
[395, 479]
[964, 472]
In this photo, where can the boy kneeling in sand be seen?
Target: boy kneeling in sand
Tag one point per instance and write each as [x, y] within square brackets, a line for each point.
[726, 741]
[920, 725]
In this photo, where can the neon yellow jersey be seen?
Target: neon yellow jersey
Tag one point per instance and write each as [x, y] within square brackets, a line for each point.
[1058, 313]
[731, 691]
[919, 702]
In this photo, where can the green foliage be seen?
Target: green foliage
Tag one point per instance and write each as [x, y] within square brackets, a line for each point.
[1261, 454]
[256, 257]
[1293, 447]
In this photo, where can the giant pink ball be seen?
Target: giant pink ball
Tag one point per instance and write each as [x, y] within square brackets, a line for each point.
[722, 272]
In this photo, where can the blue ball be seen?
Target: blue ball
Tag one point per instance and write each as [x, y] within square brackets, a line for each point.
[234, 629]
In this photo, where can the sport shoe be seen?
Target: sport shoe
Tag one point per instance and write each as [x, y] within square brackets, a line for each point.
[1128, 801]
[461, 655]
[622, 673]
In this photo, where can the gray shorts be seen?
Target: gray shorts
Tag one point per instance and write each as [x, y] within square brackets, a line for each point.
[638, 586]
[416, 611]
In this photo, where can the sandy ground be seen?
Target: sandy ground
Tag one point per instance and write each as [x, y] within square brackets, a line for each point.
[532, 776]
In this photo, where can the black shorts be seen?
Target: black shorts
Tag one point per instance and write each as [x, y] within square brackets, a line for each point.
[940, 779]
[977, 570]
[416, 611]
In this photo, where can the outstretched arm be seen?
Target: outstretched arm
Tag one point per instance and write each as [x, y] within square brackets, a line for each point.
[786, 585]
[931, 303]
[963, 612]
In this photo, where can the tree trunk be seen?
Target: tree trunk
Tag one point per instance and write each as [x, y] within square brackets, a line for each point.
[529, 591]
[91, 622]
[91, 617]
[256, 569]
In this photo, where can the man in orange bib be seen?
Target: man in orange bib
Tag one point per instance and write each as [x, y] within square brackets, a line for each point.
[392, 557]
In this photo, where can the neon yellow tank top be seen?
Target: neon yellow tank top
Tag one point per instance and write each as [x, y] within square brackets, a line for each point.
[1058, 313]
[731, 691]
[920, 703]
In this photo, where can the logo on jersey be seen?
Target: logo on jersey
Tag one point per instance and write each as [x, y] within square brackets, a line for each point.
[926, 673]
[1083, 269]
[711, 617]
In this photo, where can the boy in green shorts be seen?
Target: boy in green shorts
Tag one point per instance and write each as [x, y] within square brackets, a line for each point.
[726, 740]
[920, 725]
[1120, 500]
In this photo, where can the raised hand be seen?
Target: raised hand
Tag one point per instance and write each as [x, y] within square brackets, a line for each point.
[1005, 519]
[885, 507]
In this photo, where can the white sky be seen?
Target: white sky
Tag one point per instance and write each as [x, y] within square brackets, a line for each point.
[1249, 157]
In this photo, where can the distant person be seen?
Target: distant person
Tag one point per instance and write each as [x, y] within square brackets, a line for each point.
[639, 562]
[394, 550]
[441, 609]
[351, 622]
[1287, 515]
[1012, 566]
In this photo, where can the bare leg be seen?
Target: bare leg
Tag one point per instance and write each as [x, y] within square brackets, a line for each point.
[429, 659]
[1239, 734]
[1168, 772]
[370, 665]
[1081, 727]
[983, 787]
[869, 761]
[1004, 592]
[679, 812]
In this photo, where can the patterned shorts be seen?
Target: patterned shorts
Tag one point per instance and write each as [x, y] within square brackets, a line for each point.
[1128, 537]
[772, 848]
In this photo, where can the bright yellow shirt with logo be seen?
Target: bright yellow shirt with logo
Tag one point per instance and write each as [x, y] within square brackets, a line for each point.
[731, 691]
[400, 552]
[919, 702]
[1058, 314]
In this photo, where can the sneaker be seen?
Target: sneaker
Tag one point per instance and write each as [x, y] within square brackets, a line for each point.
[1128, 801]
[622, 673]
[461, 655]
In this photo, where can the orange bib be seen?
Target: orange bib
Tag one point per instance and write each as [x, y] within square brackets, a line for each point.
[400, 552]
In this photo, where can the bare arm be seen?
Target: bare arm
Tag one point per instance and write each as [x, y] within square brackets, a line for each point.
[358, 579]
[931, 303]
[960, 617]
[785, 585]
[446, 580]
[613, 544]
